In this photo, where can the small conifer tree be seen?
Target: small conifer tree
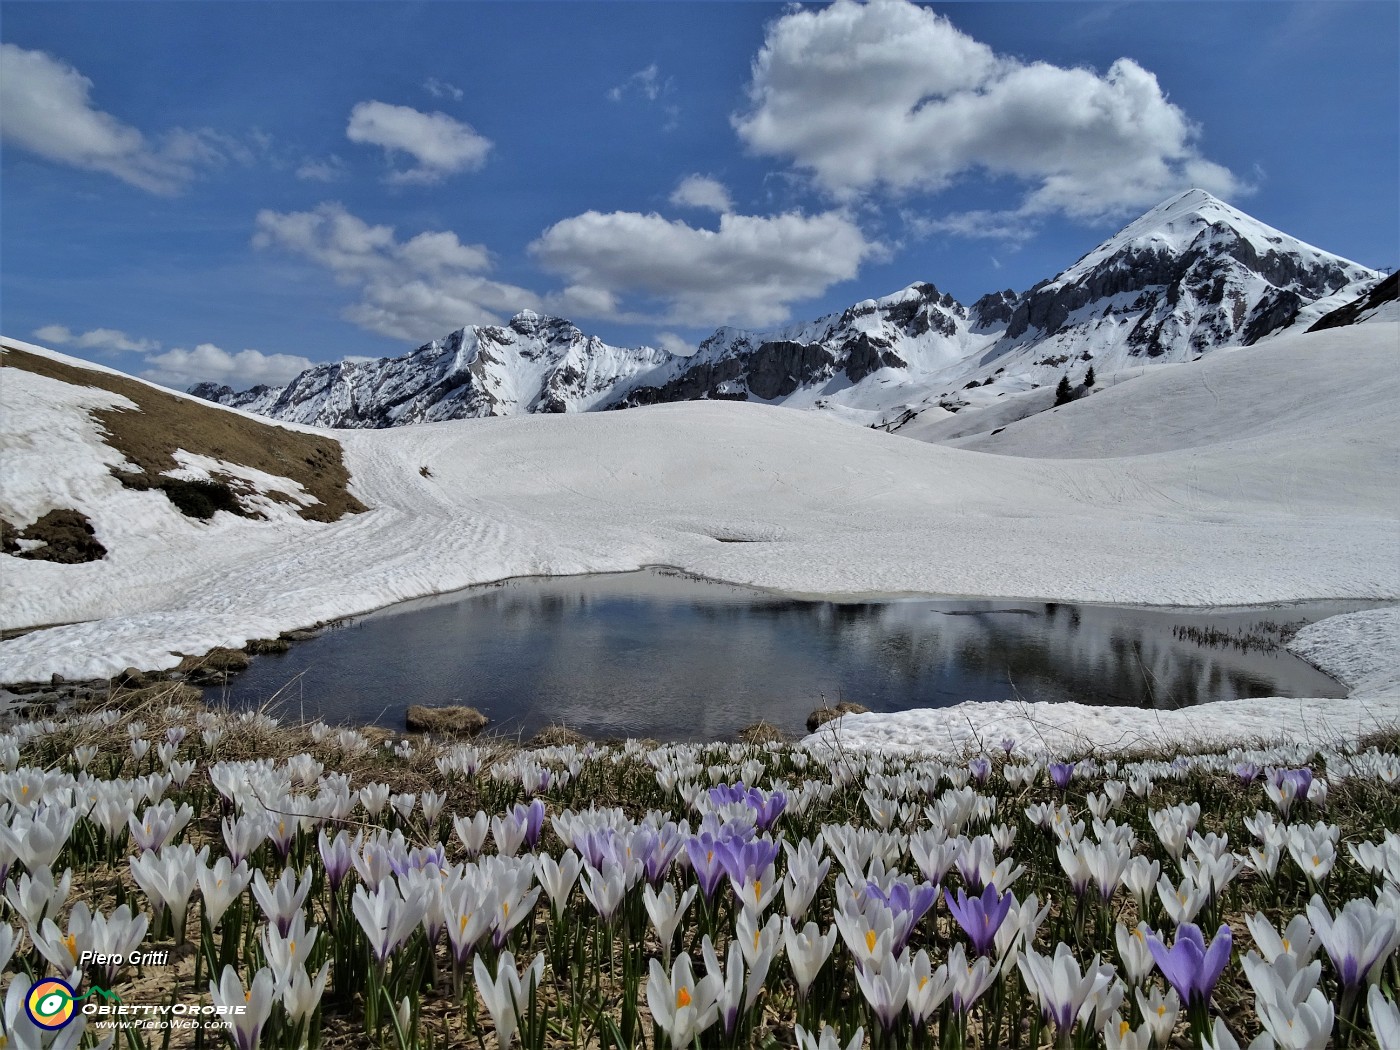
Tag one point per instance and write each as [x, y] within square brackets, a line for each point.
[1063, 392]
[1089, 378]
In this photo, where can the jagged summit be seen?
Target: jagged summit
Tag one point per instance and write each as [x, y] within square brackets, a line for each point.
[1189, 275]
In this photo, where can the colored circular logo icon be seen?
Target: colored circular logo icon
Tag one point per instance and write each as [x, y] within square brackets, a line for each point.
[50, 1003]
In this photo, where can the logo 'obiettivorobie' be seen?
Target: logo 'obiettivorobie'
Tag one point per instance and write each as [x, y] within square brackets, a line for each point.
[50, 1003]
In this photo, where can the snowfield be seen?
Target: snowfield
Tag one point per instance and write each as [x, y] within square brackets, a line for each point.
[1263, 474]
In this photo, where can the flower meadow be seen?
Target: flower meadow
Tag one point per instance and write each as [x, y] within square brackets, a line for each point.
[330, 887]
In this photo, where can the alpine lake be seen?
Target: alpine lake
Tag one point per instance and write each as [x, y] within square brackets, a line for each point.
[662, 654]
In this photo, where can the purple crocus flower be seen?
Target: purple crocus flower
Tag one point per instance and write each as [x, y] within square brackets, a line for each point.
[980, 917]
[1188, 965]
[706, 854]
[1302, 780]
[532, 816]
[980, 769]
[1061, 773]
[728, 794]
[1008, 745]
[907, 904]
[659, 850]
[1248, 772]
[742, 859]
[768, 807]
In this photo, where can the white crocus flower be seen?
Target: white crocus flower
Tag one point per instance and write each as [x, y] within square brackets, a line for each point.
[1385, 1018]
[1181, 902]
[38, 838]
[36, 894]
[682, 1006]
[168, 878]
[280, 905]
[1160, 1012]
[1297, 940]
[256, 1001]
[1118, 1034]
[828, 1039]
[507, 996]
[385, 916]
[807, 952]
[928, 987]
[220, 886]
[666, 912]
[287, 954]
[604, 889]
[755, 940]
[1058, 984]
[558, 878]
[472, 831]
[1359, 939]
[303, 993]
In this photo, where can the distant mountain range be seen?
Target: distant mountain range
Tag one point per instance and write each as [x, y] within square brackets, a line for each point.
[1190, 275]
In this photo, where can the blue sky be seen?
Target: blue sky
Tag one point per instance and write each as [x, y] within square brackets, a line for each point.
[227, 191]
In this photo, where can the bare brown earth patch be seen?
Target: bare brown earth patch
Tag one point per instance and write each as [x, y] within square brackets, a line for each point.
[162, 423]
[66, 537]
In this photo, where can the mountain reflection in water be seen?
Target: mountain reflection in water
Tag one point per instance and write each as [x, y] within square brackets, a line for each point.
[659, 654]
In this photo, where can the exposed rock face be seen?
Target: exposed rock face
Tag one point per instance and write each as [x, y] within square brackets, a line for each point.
[1190, 275]
[1377, 304]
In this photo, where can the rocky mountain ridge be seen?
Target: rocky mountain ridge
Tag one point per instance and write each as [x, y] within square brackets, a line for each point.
[1190, 275]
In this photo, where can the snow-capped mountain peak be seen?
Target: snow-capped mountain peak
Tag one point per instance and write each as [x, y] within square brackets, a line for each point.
[1189, 275]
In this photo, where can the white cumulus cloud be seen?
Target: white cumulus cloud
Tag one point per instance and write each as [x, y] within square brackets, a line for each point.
[440, 145]
[415, 289]
[111, 340]
[208, 363]
[702, 191]
[46, 109]
[748, 271]
[891, 96]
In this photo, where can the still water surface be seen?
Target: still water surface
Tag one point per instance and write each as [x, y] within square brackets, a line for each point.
[659, 654]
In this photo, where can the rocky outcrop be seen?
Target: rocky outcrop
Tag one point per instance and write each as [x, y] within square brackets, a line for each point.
[444, 721]
[1363, 307]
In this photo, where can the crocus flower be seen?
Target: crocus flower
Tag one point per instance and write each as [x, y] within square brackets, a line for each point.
[169, 877]
[1061, 773]
[385, 916]
[705, 853]
[1359, 939]
[558, 878]
[666, 912]
[828, 1039]
[1385, 1018]
[335, 856]
[256, 1004]
[1188, 965]
[969, 980]
[280, 905]
[220, 886]
[1058, 984]
[682, 1006]
[807, 952]
[980, 917]
[302, 993]
[886, 990]
[508, 995]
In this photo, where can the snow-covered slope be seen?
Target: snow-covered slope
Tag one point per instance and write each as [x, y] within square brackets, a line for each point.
[1300, 507]
[1191, 275]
